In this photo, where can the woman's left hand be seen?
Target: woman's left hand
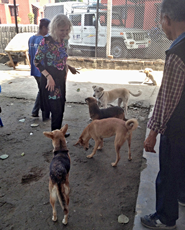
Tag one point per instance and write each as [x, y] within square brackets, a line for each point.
[50, 83]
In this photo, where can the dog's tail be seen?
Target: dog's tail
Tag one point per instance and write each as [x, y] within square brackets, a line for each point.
[58, 177]
[137, 94]
[60, 195]
[131, 124]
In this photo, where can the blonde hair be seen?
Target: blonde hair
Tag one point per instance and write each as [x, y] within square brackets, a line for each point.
[59, 21]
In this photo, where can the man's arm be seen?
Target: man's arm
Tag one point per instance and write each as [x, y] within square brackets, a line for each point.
[167, 100]
[150, 142]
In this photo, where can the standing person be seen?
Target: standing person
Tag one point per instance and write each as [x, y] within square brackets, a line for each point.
[33, 45]
[168, 119]
[52, 51]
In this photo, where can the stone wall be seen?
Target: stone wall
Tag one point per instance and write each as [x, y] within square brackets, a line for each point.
[100, 63]
[7, 32]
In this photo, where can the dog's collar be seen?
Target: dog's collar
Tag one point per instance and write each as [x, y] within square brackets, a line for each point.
[101, 96]
[60, 151]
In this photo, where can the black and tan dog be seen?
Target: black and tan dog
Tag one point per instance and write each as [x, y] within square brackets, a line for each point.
[97, 113]
[99, 129]
[59, 172]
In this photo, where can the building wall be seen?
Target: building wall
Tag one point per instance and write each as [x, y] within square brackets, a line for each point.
[149, 18]
[149, 12]
[3, 18]
[25, 7]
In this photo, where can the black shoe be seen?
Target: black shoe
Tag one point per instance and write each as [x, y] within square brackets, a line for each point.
[152, 221]
[67, 134]
[35, 115]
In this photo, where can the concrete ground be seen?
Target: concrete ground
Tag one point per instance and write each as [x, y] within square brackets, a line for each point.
[18, 83]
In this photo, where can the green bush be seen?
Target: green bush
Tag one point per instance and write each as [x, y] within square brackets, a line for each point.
[18, 20]
[31, 17]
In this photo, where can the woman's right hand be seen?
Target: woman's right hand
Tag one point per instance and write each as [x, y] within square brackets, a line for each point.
[50, 83]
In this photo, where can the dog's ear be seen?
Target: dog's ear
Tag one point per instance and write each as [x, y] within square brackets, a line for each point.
[93, 86]
[64, 129]
[101, 88]
[48, 134]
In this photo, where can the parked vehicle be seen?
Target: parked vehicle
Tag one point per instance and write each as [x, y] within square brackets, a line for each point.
[123, 40]
[156, 33]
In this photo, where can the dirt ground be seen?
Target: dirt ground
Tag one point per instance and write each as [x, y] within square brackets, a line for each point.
[99, 192]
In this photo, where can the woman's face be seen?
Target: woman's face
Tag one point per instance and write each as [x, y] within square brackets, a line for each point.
[62, 32]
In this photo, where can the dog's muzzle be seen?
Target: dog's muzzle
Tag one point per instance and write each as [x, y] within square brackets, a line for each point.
[94, 95]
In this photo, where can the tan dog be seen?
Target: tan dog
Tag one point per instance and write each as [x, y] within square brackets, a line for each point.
[59, 172]
[122, 94]
[149, 76]
[99, 129]
[97, 113]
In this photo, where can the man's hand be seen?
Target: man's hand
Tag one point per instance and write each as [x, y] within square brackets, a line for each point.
[150, 142]
[50, 83]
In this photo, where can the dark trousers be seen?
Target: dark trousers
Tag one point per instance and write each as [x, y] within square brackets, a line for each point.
[54, 106]
[57, 111]
[170, 182]
[36, 107]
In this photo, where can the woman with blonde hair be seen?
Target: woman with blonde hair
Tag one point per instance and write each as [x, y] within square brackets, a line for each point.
[51, 59]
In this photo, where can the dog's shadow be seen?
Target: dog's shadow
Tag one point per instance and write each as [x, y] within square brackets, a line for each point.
[140, 83]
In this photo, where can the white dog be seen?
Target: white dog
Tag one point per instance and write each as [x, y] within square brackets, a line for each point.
[122, 94]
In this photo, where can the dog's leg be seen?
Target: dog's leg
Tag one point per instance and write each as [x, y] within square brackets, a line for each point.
[101, 144]
[125, 108]
[146, 80]
[97, 143]
[119, 101]
[66, 207]
[129, 144]
[118, 143]
[53, 197]
[64, 199]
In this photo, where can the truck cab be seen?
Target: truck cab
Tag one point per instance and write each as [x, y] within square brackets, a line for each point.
[123, 40]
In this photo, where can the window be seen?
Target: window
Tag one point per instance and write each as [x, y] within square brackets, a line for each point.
[12, 10]
[5, 1]
[89, 20]
[75, 19]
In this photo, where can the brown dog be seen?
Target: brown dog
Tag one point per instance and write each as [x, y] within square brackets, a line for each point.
[99, 129]
[96, 113]
[59, 172]
[122, 94]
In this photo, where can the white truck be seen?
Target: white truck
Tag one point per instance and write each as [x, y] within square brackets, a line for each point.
[123, 40]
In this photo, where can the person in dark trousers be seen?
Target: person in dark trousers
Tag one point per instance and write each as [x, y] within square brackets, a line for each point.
[33, 45]
[168, 119]
[51, 59]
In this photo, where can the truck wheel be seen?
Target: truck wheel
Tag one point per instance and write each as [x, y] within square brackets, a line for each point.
[118, 49]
